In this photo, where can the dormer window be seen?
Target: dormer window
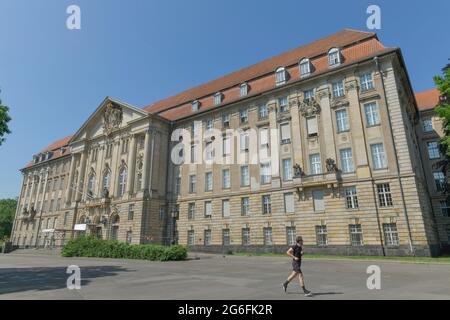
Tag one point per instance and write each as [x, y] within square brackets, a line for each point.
[334, 57]
[41, 157]
[218, 98]
[243, 89]
[305, 67]
[35, 159]
[280, 76]
[195, 105]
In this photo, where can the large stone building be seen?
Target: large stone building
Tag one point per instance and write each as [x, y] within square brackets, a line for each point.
[324, 141]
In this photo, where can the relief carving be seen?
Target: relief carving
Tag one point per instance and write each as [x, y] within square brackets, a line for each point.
[112, 117]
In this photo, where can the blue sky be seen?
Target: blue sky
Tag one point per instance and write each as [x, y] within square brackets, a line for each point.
[141, 51]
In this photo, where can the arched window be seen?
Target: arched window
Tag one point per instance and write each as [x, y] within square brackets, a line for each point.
[280, 76]
[106, 179]
[91, 185]
[305, 67]
[122, 181]
[334, 57]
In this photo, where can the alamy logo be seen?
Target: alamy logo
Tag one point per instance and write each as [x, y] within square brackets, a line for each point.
[73, 21]
[74, 280]
[374, 20]
[374, 280]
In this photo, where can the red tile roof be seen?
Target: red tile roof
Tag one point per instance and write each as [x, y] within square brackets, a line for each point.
[55, 147]
[428, 99]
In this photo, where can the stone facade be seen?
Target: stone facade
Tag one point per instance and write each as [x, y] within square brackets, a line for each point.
[346, 157]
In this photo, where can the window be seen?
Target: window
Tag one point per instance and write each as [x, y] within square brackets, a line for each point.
[66, 216]
[334, 58]
[122, 181]
[319, 202]
[225, 208]
[125, 143]
[244, 139]
[265, 173]
[427, 125]
[191, 211]
[218, 98]
[445, 208]
[266, 204]
[372, 116]
[311, 125]
[226, 146]
[109, 149]
[287, 169]
[366, 81]
[338, 89]
[378, 156]
[193, 153]
[245, 176]
[280, 76]
[226, 237]
[308, 95]
[90, 186]
[291, 235]
[209, 151]
[314, 162]
[267, 236]
[390, 234]
[347, 160]
[384, 195]
[130, 211]
[207, 237]
[246, 237]
[192, 184]
[356, 236]
[208, 181]
[209, 124]
[283, 103]
[305, 67]
[243, 89]
[191, 237]
[226, 179]
[263, 112]
[342, 121]
[439, 180]
[226, 120]
[321, 236]
[245, 206]
[195, 106]
[243, 115]
[351, 198]
[433, 150]
[289, 202]
[61, 183]
[195, 128]
[285, 129]
[178, 185]
[264, 138]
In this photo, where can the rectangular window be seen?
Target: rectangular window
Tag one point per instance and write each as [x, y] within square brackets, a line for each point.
[439, 180]
[243, 89]
[311, 126]
[372, 115]
[178, 185]
[305, 68]
[192, 184]
[347, 160]
[366, 82]
[245, 176]
[226, 146]
[280, 76]
[351, 198]
[193, 153]
[191, 211]
[266, 204]
[208, 181]
[265, 173]
[226, 120]
[308, 95]
[264, 138]
[130, 211]
[384, 195]
[244, 140]
[319, 202]
[287, 169]
[378, 156]
[191, 237]
[246, 241]
[217, 99]
[209, 151]
[263, 112]
[283, 103]
[268, 236]
[445, 208]
[208, 209]
[314, 162]
[342, 121]
[427, 125]
[162, 212]
[390, 234]
[226, 184]
[195, 106]
[225, 208]
[433, 150]
[245, 206]
[291, 235]
[226, 237]
[209, 124]
[52, 205]
[338, 89]
[207, 238]
[285, 129]
[243, 115]
[289, 202]
[356, 236]
[321, 236]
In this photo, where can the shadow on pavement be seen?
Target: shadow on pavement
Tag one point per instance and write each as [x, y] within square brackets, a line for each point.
[317, 293]
[49, 278]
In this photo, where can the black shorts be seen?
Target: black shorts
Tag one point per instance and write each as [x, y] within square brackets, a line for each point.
[296, 266]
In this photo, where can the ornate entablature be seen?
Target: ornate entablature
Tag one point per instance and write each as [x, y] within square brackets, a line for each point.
[339, 103]
[112, 117]
[309, 108]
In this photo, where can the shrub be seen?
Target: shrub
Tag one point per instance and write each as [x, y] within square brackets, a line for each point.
[95, 247]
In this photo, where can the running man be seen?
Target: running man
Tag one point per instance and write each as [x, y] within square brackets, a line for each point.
[296, 253]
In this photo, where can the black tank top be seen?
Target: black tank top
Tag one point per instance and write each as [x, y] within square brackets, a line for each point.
[297, 251]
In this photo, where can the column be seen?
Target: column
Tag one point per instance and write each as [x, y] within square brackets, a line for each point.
[41, 176]
[70, 182]
[23, 199]
[296, 133]
[327, 125]
[146, 160]
[131, 165]
[81, 176]
[36, 240]
[274, 145]
[33, 180]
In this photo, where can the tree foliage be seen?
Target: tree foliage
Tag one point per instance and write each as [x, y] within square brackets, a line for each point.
[7, 212]
[4, 119]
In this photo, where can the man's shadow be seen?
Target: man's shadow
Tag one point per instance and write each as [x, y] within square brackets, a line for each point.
[317, 293]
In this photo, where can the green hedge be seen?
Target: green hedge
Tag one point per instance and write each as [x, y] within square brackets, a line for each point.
[95, 247]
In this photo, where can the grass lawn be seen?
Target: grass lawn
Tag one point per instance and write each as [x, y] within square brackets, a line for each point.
[443, 259]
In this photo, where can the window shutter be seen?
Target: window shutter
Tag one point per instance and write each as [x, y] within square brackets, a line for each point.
[311, 123]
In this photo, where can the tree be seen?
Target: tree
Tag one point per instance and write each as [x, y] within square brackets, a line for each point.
[7, 212]
[4, 119]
